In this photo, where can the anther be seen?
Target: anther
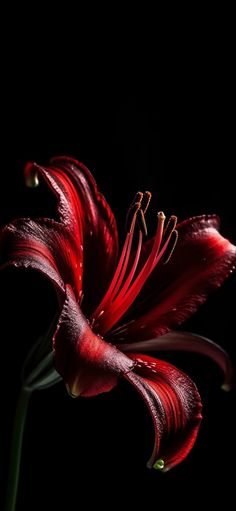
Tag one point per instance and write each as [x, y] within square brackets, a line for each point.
[171, 225]
[171, 246]
[134, 207]
[142, 222]
[146, 201]
[161, 215]
[137, 199]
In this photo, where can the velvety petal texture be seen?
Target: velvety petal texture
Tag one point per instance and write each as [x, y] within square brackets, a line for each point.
[174, 404]
[132, 306]
[43, 245]
[186, 341]
[200, 263]
[88, 364]
[86, 215]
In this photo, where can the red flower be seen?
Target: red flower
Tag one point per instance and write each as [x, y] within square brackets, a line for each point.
[111, 311]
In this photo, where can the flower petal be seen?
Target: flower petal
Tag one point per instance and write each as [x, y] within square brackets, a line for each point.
[46, 246]
[86, 214]
[87, 363]
[185, 341]
[200, 263]
[175, 407]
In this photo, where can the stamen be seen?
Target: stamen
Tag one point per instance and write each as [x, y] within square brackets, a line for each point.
[118, 307]
[125, 287]
[141, 222]
[124, 258]
[125, 265]
[146, 201]
[133, 269]
[171, 247]
[171, 225]
[135, 205]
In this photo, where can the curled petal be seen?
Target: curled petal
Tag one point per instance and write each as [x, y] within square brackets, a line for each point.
[42, 245]
[86, 362]
[200, 263]
[86, 215]
[175, 407]
[185, 341]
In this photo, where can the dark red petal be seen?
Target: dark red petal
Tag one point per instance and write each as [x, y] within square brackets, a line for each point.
[86, 214]
[185, 341]
[46, 246]
[175, 407]
[200, 263]
[87, 363]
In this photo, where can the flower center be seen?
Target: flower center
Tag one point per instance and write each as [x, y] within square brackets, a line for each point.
[127, 282]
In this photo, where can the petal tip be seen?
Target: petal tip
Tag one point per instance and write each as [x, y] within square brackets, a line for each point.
[31, 175]
[70, 393]
[226, 387]
[159, 465]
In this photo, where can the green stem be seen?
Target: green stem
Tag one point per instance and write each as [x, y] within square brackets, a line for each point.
[16, 447]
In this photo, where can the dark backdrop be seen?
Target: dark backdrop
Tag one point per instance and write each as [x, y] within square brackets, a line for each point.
[180, 146]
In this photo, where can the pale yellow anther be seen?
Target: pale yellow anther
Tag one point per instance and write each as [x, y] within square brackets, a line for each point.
[146, 201]
[161, 216]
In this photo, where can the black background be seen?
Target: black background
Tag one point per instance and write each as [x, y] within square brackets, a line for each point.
[178, 142]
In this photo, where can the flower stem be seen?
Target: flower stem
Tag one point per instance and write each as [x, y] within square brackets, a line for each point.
[16, 447]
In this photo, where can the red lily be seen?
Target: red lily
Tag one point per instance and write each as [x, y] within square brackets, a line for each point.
[111, 311]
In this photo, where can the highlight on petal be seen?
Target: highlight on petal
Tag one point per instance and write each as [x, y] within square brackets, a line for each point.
[87, 363]
[200, 263]
[175, 407]
[186, 341]
[46, 246]
[87, 216]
